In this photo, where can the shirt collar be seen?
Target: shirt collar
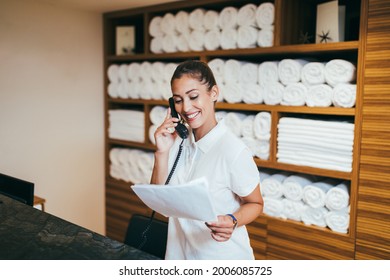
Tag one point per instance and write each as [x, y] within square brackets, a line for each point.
[208, 141]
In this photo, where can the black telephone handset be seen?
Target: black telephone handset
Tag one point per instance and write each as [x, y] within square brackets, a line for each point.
[181, 129]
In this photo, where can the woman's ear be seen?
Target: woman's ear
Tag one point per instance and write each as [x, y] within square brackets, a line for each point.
[214, 93]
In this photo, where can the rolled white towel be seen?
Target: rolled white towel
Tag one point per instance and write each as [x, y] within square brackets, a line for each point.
[265, 37]
[252, 94]
[265, 14]
[113, 73]
[294, 94]
[337, 198]
[122, 72]
[272, 186]
[247, 126]
[169, 44]
[292, 210]
[146, 90]
[182, 22]
[232, 92]
[212, 40]
[314, 216]
[145, 163]
[123, 89]
[114, 156]
[319, 96]
[146, 69]
[182, 42]
[264, 174]
[252, 144]
[228, 18]
[273, 207]
[195, 19]
[273, 93]
[338, 221]
[339, 71]
[166, 91]
[246, 15]
[112, 90]
[152, 130]
[313, 73]
[220, 115]
[155, 27]
[196, 40]
[229, 37]
[158, 114]
[293, 185]
[210, 20]
[290, 70]
[232, 71]
[170, 68]
[262, 150]
[156, 44]
[217, 65]
[247, 37]
[158, 90]
[249, 73]
[233, 120]
[168, 24]
[134, 89]
[314, 194]
[268, 73]
[262, 126]
[344, 95]
[157, 69]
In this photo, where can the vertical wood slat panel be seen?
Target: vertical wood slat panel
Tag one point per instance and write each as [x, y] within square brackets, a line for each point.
[373, 213]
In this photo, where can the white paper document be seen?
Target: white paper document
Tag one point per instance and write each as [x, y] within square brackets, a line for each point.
[191, 200]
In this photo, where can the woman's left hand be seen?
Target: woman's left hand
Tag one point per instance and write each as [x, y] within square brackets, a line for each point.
[221, 230]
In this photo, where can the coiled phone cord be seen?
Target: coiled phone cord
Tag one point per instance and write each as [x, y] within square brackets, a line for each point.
[143, 235]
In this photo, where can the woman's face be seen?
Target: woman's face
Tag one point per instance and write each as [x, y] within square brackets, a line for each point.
[195, 104]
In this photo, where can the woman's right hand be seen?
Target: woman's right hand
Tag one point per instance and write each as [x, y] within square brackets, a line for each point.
[165, 134]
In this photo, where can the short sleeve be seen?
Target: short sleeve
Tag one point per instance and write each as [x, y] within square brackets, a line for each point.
[244, 174]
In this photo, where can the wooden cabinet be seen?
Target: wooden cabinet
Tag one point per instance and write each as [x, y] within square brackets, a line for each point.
[272, 238]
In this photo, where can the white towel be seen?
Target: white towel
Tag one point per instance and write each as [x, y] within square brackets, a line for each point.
[273, 207]
[113, 73]
[170, 68]
[157, 90]
[169, 44]
[337, 198]
[319, 96]
[134, 89]
[232, 71]
[264, 173]
[339, 71]
[294, 94]
[156, 44]
[182, 42]
[122, 73]
[247, 126]
[233, 120]
[313, 73]
[195, 19]
[232, 92]
[265, 14]
[272, 186]
[157, 73]
[265, 37]
[247, 37]
[155, 27]
[268, 73]
[167, 24]
[166, 91]
[212, 40]
[112, 90]
[293, 185]
[252, 94]
[273, 93]
[123, 90]
[217, 65]
[290, 70]
[182, 22]
[262, 149]
[146, 90]
[249, 73]
[317, 123]
[158, 114]
[210, 20]
[292, 210]
[229, 37]
[314, 216]
[314, 194]
[152, 130]
[146, 71]
[344, 95]
[228, 18]
[196, 40]
[246, 15]
[338, 221]
[262, 126]
[126, 125]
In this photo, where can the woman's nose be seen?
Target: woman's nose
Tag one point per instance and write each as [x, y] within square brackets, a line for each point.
[186, 106]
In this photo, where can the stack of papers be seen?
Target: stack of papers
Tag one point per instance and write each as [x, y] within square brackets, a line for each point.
[190, 200]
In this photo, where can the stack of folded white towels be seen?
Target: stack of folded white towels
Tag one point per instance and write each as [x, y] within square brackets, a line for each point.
[157, 116]
[316, 143]
[304, 198]
[291, 82]
[131, 165]
[245, 27]
[253, 130]
[140, 80]
[128, 125]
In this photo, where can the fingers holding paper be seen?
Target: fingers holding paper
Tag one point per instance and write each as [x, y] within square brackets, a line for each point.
[221, 230]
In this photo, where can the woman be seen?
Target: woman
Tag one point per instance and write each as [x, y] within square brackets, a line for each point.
[211, 151]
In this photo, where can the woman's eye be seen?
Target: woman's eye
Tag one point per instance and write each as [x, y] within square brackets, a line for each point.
[194, 97]
[177, 101]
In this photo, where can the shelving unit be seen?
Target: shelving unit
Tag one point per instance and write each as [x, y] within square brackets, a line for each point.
[271, 238]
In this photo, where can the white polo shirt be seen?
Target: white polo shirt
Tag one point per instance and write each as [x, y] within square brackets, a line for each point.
[228, 165]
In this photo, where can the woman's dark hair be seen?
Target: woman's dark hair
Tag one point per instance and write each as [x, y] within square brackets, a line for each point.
[196, 69]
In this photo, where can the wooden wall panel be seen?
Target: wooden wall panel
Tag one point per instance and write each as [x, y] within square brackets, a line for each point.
[258, 235]
[373, 210]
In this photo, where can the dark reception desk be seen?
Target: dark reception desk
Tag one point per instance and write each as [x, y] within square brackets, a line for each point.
[30, 234]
